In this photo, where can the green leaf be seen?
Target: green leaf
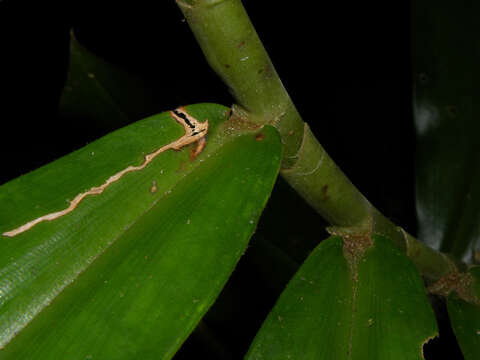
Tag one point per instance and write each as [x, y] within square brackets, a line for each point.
[465, 319]
[130, 272]
[101, 95]
[447, 95]
[372, 306]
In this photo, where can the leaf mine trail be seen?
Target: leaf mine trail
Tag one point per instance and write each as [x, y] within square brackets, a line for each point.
[195, 131]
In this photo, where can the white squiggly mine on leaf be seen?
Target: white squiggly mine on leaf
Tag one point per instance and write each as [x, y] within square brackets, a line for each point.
[195, 131]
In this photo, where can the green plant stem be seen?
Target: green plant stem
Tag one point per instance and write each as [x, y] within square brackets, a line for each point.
[234, 50]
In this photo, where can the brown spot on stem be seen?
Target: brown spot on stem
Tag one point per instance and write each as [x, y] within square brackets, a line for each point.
[268, 71]
[324, 192]
[259, 137]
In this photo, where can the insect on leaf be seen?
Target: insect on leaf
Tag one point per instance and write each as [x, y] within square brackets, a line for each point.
[132, 267]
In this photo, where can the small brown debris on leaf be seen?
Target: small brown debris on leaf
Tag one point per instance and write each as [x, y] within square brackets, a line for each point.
[154, 187]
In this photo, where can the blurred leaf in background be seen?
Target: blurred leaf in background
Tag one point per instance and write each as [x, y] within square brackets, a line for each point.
[446, 54]
[99, 96]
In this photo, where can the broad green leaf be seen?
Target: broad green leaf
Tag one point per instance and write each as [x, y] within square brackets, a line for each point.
[374, 308]
[100, 95]
[447, 97]
[465, 319]
[129, 272]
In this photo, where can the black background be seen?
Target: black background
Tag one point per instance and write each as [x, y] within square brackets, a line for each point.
[346, 64]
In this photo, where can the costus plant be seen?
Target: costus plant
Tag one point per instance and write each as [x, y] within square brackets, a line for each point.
[123, 249]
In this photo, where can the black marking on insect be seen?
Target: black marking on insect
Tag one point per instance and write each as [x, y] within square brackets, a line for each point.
[198, 132]
[184, 117]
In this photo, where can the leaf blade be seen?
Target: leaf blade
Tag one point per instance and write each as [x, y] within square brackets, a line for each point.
[239, 168]
[465, 319]
[326, 313]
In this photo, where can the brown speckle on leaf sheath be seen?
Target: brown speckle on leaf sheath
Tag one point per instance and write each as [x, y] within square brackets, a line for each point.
[259, 137]
[237, 123]
[458, 282]
[354, 247]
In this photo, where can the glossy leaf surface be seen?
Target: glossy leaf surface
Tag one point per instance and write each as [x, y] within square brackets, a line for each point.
[447, 98]
[465, 320]
[130, 272]
[330, 310]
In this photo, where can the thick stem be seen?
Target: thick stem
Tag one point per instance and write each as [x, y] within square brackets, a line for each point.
[339, 202]
[234, 50]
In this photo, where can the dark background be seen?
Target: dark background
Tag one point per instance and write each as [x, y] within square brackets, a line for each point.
[346, 65]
